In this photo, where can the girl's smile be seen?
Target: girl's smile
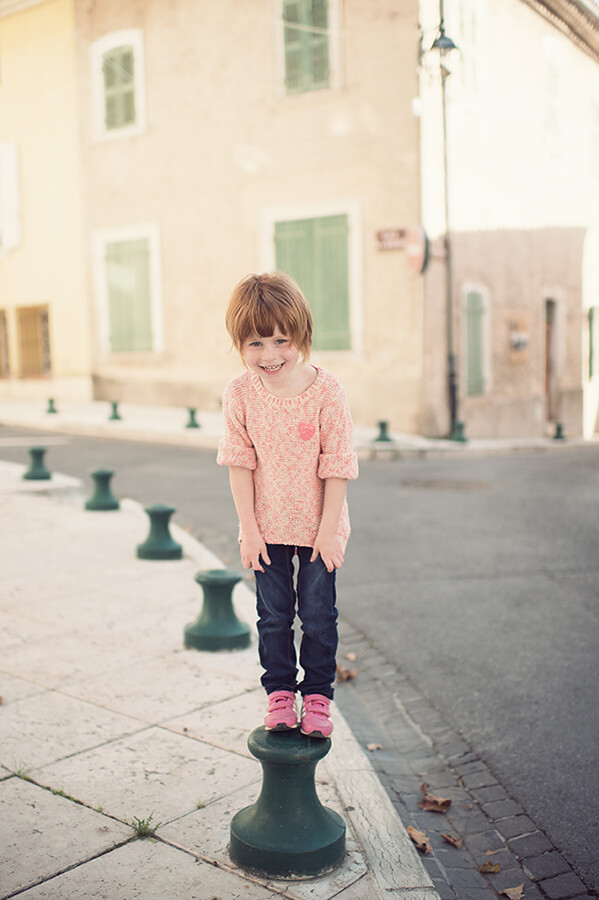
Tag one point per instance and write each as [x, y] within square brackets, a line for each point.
[279, 364]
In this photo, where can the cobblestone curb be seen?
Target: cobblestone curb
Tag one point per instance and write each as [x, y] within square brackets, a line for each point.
[382, 707]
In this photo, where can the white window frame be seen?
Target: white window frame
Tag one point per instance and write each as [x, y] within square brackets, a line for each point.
[10, 197]
[132, 37]
[100, 239]
[352, 209]
[334, 31]
[472, 287]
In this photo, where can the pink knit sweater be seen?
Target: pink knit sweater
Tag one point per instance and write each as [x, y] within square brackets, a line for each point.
[292, 444]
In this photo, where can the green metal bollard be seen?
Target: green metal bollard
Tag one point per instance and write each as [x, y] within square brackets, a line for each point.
[217, 627]
[102, 498]
[458, 434]
[114, 416]
[159, 543]
[383, 435]
[287, 832]
[37, 470]
[51, 407]
[192, 422]
[559, 432]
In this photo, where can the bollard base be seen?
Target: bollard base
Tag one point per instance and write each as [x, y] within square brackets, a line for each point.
[197, 637]
[150, 552]
[285, 862]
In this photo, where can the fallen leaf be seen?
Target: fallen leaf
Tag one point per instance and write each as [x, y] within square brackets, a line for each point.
[420, 839]
[344, 674]
[432, 803]
[458, 843]
[514, 893]
[372, 747]
[490, 868]
[493, 852]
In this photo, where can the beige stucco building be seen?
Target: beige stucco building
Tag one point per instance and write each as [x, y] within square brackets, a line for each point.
[199, 141]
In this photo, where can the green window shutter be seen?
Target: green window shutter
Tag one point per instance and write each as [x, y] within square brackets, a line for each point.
[128, 280]
[119, 87]
[315, 253]
[306, 41]
[475, 363]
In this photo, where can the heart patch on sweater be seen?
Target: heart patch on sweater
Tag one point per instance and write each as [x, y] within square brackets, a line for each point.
[306, 430]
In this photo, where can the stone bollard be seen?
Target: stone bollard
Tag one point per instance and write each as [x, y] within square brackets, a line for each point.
[51, 407]
[287, 832]
[37, 470]
[159, 543]
[383, 435]
[192, 422]
[102, 498]
[217, 627]
[114, 416]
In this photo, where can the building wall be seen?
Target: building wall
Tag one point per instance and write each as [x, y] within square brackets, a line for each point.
[45, 264]
[523, 190]
[226, 152]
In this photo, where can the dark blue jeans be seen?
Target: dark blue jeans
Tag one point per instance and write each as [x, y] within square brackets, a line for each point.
[277, 592]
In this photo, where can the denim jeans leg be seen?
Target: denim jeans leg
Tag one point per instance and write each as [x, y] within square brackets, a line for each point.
[316, 590]
[275, 601]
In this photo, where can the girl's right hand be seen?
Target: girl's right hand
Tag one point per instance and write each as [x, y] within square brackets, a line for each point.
[253, 552]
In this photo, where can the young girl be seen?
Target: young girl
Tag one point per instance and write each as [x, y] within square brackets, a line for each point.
[288, 445]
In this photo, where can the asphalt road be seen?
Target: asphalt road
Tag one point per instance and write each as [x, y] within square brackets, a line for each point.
[477, 577]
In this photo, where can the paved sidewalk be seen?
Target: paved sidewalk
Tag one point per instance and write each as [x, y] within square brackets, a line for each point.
[107, 724]
[168, 425]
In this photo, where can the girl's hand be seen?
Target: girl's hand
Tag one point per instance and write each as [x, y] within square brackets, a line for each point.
[251, 548]
[330, 548]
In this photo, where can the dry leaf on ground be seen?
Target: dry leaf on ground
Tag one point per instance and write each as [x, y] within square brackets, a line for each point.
[372, 747]
[344, 674]
[420, 839]
[515, 893]
[351, 656]
[458, 843]
[490, 868]
[432, 803]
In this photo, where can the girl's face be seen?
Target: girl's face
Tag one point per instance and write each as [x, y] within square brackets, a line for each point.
[272, 358]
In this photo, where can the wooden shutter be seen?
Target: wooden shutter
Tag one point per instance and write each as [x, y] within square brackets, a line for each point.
[306, 41]
[315, 253]
[119, 87]
[4, 358]
[128, 282]
[475, 360]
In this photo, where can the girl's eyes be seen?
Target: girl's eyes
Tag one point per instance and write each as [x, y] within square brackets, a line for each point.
[277, 341]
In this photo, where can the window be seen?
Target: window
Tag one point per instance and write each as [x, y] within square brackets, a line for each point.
[468, 42]
[127, 283]
[306, 45]
[315, 253]
[33, 333]
[10, 206]
[4, 359]
[475, 344]
[118, 85]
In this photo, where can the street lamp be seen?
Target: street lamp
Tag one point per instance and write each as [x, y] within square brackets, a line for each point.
[446, 49]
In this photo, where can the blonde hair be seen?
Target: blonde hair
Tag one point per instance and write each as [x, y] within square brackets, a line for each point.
[261, 304]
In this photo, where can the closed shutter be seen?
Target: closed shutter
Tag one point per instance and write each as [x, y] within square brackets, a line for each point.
[306, 41]
[34, 341]
[4, 358]
[315, 253]
[119, 87]
[475, 360]
[128, 282]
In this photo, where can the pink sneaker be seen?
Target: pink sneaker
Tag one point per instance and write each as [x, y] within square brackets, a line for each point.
[316, 720]
[280, 713]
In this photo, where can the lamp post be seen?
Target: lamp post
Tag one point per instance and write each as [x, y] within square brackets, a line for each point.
[445, 47]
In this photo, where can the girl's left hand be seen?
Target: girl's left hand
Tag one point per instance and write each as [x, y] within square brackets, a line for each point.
[330, 550]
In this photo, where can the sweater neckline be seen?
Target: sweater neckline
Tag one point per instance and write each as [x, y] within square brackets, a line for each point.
[287, 401]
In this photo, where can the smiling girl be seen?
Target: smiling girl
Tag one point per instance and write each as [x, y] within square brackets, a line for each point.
[288, 444]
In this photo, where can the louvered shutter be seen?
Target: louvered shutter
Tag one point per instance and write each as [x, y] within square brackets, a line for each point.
[475, 311]
[128, 281]
[119, 87]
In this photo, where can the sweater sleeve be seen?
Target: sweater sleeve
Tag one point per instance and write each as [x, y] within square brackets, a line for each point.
[337, 458]
[235, 448]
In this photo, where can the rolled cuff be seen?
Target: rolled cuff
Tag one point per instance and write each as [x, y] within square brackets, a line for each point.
[235, 455]
[338, 465]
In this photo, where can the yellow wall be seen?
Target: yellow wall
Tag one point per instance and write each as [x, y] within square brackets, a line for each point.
[39, 110]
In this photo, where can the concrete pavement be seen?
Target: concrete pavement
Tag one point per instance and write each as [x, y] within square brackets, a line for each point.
[109, 727]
